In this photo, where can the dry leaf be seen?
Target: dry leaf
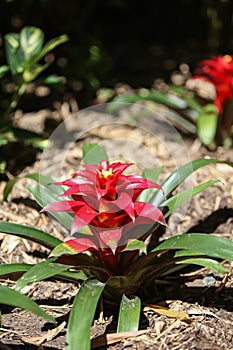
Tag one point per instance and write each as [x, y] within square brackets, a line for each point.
[45, 337]
[107, 339]
[166, 311]
[9, 243]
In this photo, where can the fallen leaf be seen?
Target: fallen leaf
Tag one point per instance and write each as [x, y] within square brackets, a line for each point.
[166, 311]
[9, 243]
[107, 339]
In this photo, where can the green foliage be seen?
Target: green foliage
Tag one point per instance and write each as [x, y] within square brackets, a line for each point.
[31, 233]
[11, 297]
[178, 176]
[6, 269]
[214, 246]
[82, 315]
[204, 262]
[135, 244]
[129, 314]
[93, 153]
[40, 272]
[153, 175]
[44, 195]
[207, 124]
[183, 197]
[4, 70]
[185, 112]
[24, 51]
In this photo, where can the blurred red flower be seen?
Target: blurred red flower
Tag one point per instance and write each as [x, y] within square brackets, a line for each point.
[219, 71]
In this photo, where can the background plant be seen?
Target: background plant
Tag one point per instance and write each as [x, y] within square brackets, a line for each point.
[200, 105]
[24, 52]
[139, 264]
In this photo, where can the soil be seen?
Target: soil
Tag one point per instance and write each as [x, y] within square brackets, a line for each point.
[203, 300]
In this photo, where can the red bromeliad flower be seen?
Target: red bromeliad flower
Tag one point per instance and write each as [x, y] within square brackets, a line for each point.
[218, 71]
[106, 200]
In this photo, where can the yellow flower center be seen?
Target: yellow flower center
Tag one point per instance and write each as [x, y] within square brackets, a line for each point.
[102, 217]
[228, 58]
[105, 173]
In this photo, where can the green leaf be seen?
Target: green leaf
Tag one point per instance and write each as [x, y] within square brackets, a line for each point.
[46, 181]
[28, 136]
[208, 263]
[6, 269]
[167, 99]
[3, 70]
[207, 123]
[44, 196]
[135, 244]
[193, 104]
[186, 252]
[183, 197]
[13, 53]
[49, 46]
[2, 164]
[93, 153]
[53, 79]
[180, 121]
[40, 272]
[206, 244]
[3, 141]
[31, 41]
[151, 174]
[188, 98]
[24, 50]
[63, 249]
[73, 275]
[9, 187]
[11, 297]
[31, 233]
[42, 179]
[129, 314]
[179, 175]
[33, 72]
[82, 315]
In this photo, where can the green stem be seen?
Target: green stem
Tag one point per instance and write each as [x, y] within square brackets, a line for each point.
[19, 91]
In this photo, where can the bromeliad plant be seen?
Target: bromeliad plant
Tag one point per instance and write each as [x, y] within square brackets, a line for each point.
[112, 217]
[201, 105]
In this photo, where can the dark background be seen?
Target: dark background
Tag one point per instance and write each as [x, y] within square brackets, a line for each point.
[126, 41]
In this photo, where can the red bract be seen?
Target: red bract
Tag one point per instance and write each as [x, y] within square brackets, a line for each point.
[218, 71]
[106, 200]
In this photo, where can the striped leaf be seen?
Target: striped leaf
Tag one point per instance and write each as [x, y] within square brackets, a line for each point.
[14, 54]
[31, 41]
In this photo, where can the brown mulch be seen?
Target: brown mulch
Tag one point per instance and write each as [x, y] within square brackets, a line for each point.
[204, 296]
